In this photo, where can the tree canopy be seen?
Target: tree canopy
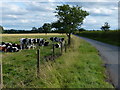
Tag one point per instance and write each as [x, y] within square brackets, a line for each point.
[46, 27]
[34, 28]
[70, 18]
[105, 27]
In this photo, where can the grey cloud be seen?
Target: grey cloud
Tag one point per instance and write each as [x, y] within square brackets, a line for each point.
[42, 7]
[12, 9]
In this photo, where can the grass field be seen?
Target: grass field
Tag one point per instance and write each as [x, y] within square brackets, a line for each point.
[80, 67]
[110, 37]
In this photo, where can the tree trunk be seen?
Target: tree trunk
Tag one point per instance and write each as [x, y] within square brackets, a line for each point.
[69, 38]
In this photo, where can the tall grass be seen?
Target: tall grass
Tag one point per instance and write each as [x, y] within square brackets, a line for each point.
[80, 67]
[111, 37]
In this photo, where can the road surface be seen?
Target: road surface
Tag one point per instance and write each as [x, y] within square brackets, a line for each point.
[109, 54]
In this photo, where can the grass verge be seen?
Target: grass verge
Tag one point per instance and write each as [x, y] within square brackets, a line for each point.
[80, 67]
[110, 37]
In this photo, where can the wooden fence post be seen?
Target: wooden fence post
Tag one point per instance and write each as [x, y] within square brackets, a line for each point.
[1, 77]
[38, 62]
[61, 50]
[65, 46]
[53, 53]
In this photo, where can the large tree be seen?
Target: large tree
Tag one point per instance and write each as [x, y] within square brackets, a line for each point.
[105, 27]
[58, 26]
[46, 28]
[70, 18]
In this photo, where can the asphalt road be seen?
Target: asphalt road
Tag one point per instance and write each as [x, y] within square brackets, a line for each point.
[109, 54]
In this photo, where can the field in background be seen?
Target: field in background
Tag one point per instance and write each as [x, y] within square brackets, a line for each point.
[29, 34]
[15, 38]
[110, 37]
[80, 67]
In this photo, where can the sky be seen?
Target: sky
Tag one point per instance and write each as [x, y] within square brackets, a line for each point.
[23, 15]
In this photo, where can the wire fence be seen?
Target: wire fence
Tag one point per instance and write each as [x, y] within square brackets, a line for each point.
[55, 53]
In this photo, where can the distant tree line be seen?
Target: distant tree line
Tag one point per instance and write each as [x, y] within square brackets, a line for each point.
[46, 28]
[55, 27]
[13, 31]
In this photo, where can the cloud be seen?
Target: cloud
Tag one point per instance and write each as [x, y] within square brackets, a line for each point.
[13, 9]
[90, 20]
[99, 11]
[42, 7]
[24, 21]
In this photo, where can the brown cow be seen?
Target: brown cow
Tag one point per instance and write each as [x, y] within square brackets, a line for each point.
[3, 48]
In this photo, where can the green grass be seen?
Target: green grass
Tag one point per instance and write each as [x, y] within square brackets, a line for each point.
[110, 37]
[80, 67]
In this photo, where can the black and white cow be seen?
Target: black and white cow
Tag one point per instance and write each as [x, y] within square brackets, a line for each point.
[27, 43]
[39, 41]
[56, 39]
[42, 41]
[34, 41]
[16, 45]
[2, 43]
[7, 44]
[23, 43]
[46, 43]
[9, 47]
[57, 45]
[12, 49]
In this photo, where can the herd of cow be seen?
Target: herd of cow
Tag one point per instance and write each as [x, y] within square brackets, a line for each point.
[28, 43]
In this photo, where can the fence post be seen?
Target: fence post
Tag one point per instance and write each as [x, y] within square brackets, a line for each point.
[53, 53]
[65, 46]
[38, 62]
[61, 47]
[1, 78]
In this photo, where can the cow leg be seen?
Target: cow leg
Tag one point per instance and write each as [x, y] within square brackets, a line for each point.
[25, 46]
[29, 46]
[33, 46]
[21, 46]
